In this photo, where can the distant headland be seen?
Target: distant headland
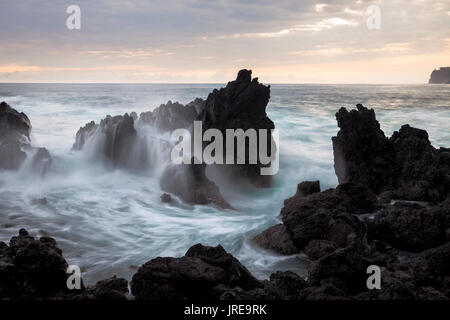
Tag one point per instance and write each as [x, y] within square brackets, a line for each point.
[440, 76]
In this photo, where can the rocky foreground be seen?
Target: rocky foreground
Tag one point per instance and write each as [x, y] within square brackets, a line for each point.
[391, 209]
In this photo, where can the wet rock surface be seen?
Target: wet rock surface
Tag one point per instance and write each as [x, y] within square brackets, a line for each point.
[391, 210]
[190, 183]
[276, 239]
[15, 143]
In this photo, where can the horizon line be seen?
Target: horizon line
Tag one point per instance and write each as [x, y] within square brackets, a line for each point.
[220, 83]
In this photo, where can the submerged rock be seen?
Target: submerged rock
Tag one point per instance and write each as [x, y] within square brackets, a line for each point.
[190, 183]
[42, 161]
[166, 198]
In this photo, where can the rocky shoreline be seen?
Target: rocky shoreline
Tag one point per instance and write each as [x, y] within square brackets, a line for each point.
[391, 209]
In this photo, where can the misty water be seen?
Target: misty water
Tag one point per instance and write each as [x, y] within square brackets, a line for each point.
[111, 221]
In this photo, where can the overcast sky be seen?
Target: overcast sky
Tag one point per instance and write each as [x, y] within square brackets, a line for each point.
[283, 41]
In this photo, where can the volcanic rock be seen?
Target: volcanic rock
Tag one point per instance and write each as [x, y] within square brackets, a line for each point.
[190, 183]
[15, 131]
[241, 105]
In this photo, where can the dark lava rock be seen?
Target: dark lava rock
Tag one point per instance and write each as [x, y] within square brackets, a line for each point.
[281, 286]
[362, 153]
[190, 183]
[42, 161]
[412, 226]
[166, 198]
[276, 238]
[14, 123]
[31, 268]
[83, 134]
[109, 289]
[172, 116]
[306, 188]
[317, 249]
[406, 165]
[241, 105]
[237, 275]
[348, 264]
[423, 172]
[15, 131]
[118, 138]
[176, 279]
[311, 218]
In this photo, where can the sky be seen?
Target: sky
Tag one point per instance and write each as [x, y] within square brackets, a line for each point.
[208, 41]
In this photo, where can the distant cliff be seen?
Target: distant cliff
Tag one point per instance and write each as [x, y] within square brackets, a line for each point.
[440, 76]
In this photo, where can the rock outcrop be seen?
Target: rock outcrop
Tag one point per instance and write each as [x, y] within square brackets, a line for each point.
[362, 153]
[15, 143]
[407, 165]
[440, 76]
[114, 140]
[173, 115]
[36, 269]
[15, 131]
[370, 218]
[241, 105]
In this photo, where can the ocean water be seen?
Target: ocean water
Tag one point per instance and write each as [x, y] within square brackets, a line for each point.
[111, 221]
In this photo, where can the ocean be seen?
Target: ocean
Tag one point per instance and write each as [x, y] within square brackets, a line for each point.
[109, 222]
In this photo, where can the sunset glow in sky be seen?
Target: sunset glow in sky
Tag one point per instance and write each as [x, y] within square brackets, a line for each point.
[284, 41]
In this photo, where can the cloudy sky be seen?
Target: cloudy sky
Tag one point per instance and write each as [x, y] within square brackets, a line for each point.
[283, 41]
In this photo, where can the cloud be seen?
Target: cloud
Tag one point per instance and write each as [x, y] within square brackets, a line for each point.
[13, 68]
[128, 39]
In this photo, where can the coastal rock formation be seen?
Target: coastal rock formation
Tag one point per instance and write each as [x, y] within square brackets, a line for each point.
[15, 143]
[407, 165]
[326, 215]
[241, 105]
[236, 274]
[440, 76]
[209, 273]
[42, 161]
[114, 139]
[15, 131]
[362, 153]
[36, 269]
[190, 183]
[369, 219]
[83, 134]
[31, 268]
[412, 226]
[276, 238]
[423, 172]
[172, 116]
